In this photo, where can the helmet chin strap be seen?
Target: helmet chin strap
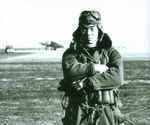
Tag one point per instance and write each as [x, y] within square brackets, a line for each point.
[102, 36]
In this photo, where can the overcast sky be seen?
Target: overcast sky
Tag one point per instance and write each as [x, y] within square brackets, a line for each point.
[26, 23]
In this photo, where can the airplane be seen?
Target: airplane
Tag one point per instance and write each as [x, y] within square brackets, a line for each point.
[53, 45]
[8, 49]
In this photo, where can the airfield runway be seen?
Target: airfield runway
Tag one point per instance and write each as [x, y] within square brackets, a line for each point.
[39, 56]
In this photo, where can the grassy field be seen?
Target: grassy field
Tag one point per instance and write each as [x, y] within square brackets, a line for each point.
[29, 96]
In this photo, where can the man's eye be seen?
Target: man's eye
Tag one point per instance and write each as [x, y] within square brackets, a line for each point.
[83, 30]
[92, 29]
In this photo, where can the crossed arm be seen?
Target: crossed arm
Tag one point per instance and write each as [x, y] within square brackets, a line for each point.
[99, 75]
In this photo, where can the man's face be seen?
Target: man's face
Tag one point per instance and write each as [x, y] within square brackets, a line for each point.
[89, 35]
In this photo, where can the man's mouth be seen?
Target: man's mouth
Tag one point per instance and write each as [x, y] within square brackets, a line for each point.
[88, 42]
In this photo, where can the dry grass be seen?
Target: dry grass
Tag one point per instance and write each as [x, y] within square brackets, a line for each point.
[29, 96]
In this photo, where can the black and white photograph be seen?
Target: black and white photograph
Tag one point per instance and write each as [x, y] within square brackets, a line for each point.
[74, 62]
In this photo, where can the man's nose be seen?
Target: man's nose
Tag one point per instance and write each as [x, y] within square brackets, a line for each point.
[88, 31]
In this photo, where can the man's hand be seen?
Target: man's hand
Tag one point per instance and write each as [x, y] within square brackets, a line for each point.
[100, 68]
[79, 84]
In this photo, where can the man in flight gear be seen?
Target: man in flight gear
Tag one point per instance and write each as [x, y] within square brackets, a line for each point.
[92, 74]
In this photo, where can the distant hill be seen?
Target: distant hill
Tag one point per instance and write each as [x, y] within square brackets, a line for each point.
[136, 56]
